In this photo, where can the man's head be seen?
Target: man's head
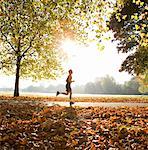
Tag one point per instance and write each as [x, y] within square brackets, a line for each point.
[70, 71]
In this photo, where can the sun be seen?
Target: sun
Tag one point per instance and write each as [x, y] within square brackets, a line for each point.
[69, 46]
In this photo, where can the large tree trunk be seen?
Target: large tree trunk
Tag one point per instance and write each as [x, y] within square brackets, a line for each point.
[16, 89]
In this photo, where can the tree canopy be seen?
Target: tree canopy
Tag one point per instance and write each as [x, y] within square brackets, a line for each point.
[31, 30]
[128, 23]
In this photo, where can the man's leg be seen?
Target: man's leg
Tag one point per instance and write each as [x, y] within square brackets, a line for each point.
[64, 93]
[71, 102]
[70, 96]
[57, 93]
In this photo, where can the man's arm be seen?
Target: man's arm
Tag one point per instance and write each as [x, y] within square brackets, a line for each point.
[70, 79]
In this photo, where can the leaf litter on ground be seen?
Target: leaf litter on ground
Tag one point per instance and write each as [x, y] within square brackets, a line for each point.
[133, 99]
[37, 126]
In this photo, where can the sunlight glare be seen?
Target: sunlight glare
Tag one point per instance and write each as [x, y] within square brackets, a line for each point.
[88, 63]
[69, 46]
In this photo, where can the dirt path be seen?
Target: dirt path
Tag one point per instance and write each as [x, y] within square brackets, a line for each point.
[82, 104]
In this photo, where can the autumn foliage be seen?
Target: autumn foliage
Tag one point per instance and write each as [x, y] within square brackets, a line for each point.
[33, 125]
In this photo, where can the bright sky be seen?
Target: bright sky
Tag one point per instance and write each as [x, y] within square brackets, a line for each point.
[87, 63]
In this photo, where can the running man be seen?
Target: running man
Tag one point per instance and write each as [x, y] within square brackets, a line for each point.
[68, 85]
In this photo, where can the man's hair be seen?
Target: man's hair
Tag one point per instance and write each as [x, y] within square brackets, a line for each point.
[70, 71]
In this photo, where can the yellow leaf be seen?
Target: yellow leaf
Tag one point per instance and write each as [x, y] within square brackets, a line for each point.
[132, 16]
[137, 27]
[124, 17]
[138, 2]
[141, 3]
[136, 17]
[134, 1]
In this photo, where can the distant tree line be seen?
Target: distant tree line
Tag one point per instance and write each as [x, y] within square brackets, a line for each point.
[108, 85]
[6, 89]
[104, 85]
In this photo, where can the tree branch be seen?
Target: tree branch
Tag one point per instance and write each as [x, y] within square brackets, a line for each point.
[30, 44]
[8, 41]
[4, 64]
